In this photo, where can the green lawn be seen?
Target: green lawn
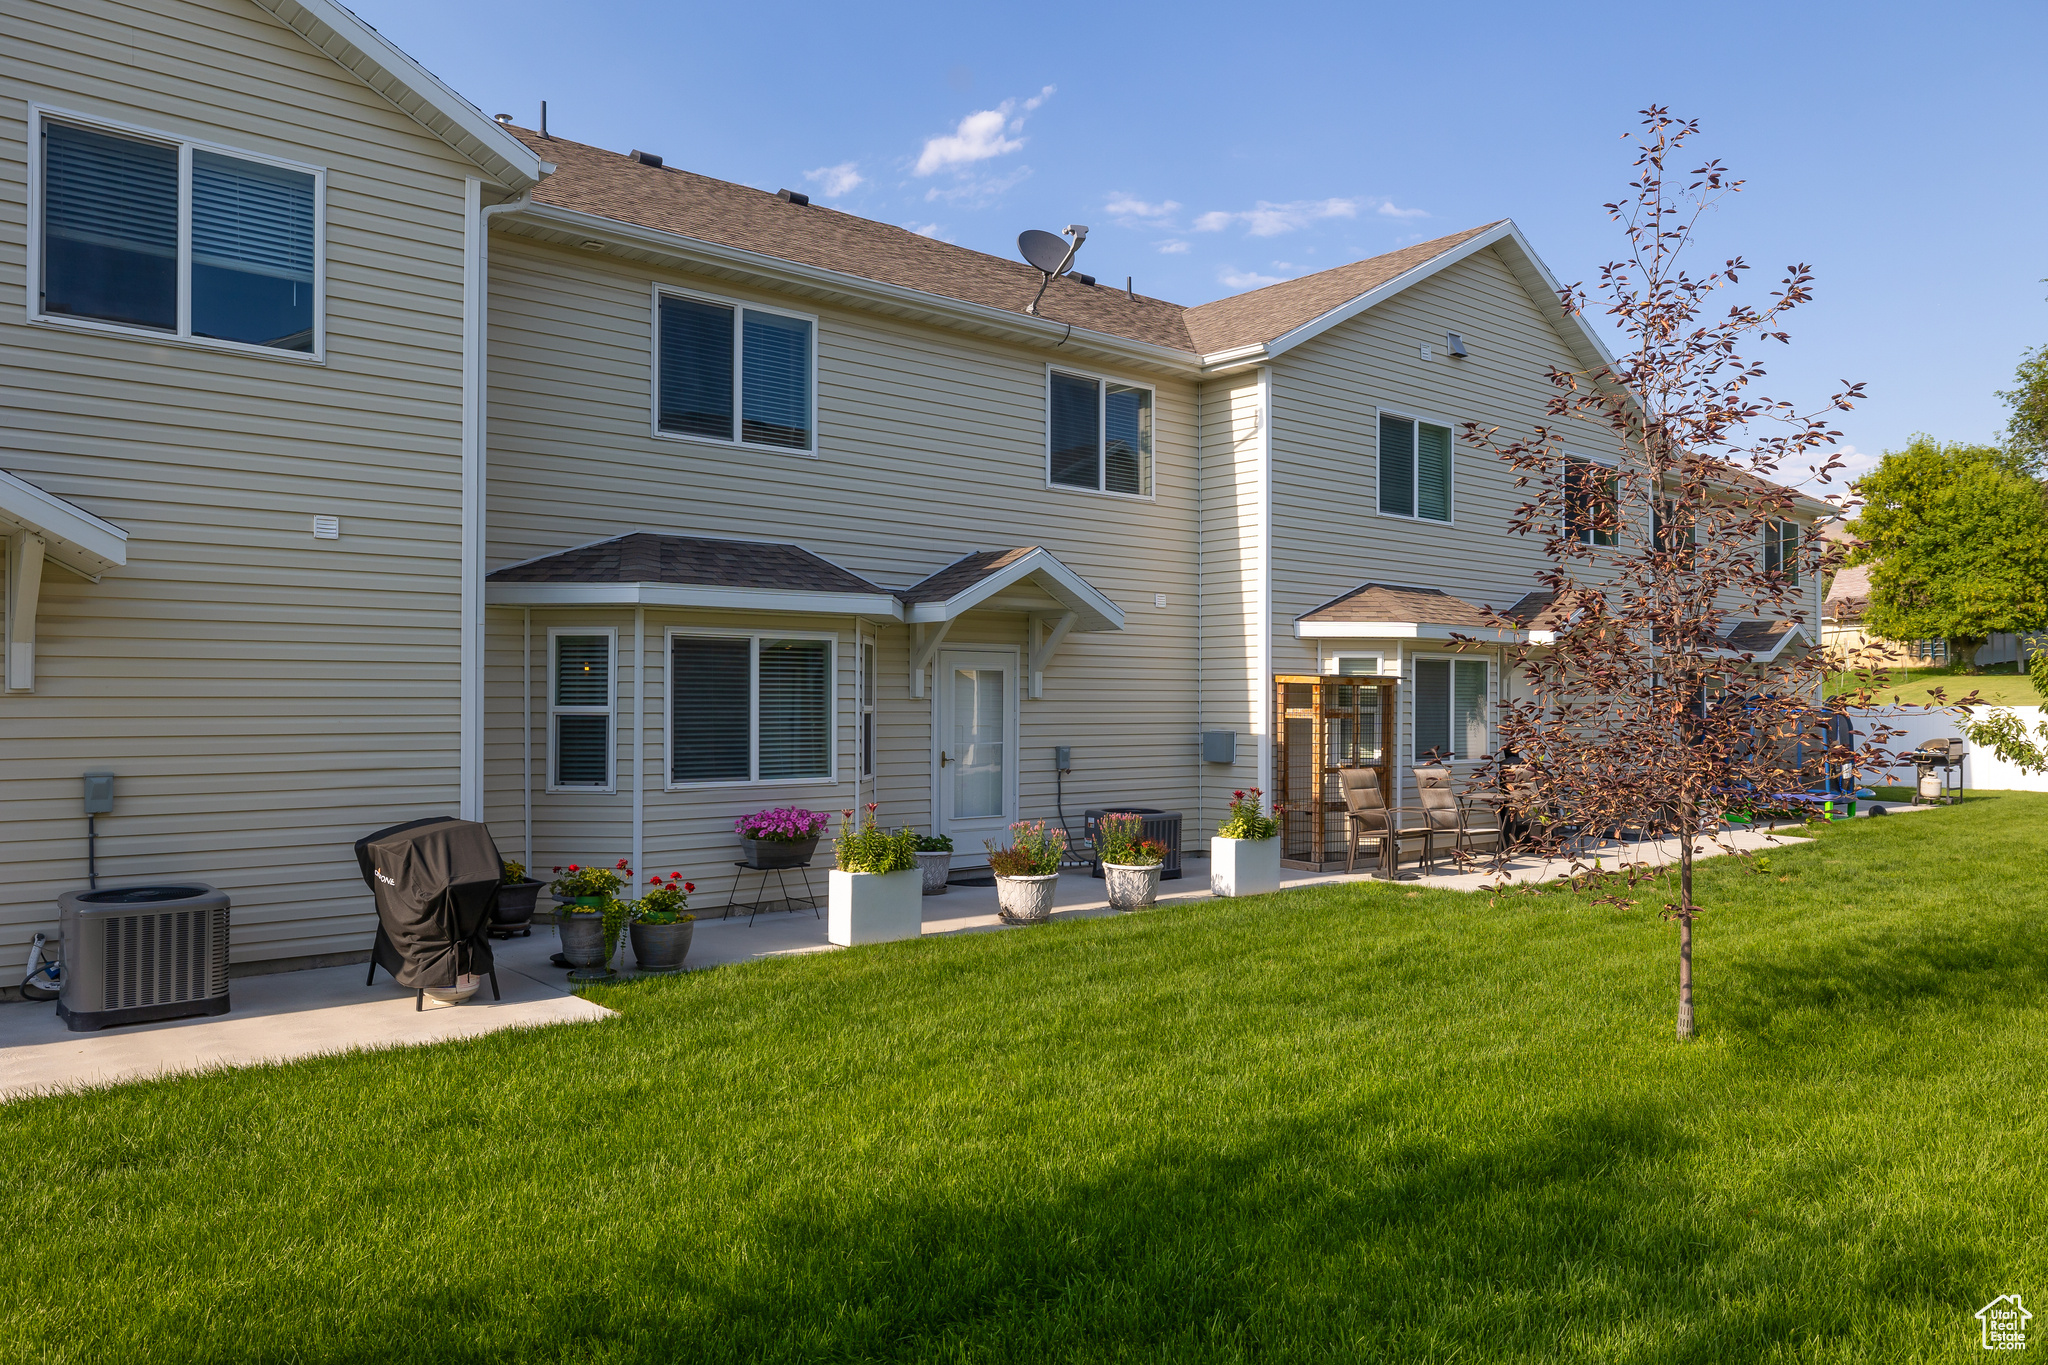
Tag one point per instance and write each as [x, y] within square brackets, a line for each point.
[1342, 1124]
[1998, 685]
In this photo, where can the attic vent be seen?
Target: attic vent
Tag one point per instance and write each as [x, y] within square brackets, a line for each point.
[646, 158]
[1454, 343]
[793, 197]
[1078, 278]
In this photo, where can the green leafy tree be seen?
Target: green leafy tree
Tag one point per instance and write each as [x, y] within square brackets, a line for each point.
[2027, 431]
[1957, 540]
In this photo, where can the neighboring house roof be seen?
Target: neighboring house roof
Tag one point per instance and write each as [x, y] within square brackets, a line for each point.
[373, 59]
[644, 568]
[1848, 595]
[974, 578]
[1386, 611]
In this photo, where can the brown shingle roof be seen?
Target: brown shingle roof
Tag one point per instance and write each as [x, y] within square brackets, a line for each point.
[961, 574]
[645, 557]
[1379, 602]
[1755, 637]
[1848, 595]
[1263, 314]
[591, 180]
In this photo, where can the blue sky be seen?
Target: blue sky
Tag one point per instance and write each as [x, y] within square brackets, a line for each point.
[1215, 147]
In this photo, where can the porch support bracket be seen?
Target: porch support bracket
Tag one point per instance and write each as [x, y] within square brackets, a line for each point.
[24, 587]
[1041, 653]
[923, 650]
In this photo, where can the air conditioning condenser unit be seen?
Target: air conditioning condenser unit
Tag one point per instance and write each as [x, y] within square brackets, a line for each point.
[137, 953]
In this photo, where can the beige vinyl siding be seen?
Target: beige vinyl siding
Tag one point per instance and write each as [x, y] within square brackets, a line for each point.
[264, 698]
[930, 445]
[1232, 687]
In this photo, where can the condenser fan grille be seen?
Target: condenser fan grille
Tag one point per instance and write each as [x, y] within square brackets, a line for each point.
[163, 958]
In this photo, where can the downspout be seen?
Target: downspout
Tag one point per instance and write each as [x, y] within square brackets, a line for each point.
[475, 376]
[1201, 610]
[526, 733]
[639, 737]
[1263, 702]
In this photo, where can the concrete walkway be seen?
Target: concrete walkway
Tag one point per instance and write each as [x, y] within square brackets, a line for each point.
[328, 1009]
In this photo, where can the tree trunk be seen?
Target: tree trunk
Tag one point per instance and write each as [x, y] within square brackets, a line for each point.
[1962, 651]
[1685, 908]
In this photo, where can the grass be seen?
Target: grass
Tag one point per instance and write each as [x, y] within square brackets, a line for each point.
[1356, 1123]
[1999, 685]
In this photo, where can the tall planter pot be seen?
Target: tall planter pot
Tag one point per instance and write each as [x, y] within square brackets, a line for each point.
[660, 947]
[936, 867]
[1026, 900]
[779, 852]
[582, 933]
[1131, 887]
[874, 907]
[1244, 867]
[515, 906]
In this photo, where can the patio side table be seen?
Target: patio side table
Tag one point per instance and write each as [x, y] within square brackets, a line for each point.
[759, 903]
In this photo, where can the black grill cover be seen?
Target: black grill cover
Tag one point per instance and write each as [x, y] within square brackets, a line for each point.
[436, 882]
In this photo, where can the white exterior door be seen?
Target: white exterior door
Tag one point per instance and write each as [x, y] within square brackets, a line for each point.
[974, 744]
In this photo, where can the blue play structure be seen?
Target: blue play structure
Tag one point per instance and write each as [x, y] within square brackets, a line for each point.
[1826, 789]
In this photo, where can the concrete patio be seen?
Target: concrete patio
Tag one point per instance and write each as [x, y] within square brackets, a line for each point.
[306, 1013]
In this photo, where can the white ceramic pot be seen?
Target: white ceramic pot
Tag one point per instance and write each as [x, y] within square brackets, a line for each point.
[870, 907]
[936, 867]
[1244, 867]
[1130, 886]
[1026, 900]
[465, 986]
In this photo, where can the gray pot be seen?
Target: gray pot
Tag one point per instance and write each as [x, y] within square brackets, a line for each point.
[660, 947]
[936, 868]
[516, 902]
[1026, 900]
[777, 853]
[1131, 887]
[582, 937]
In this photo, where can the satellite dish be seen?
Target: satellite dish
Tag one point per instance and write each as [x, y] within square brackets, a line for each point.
[1046, 251]
[1049, 255]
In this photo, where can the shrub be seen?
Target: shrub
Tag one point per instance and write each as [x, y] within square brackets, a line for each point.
[665, 900]
[1035, 850]
[576, 880]
[934, 843]
[1245, 821]
[870, 848]
[783, 825]
[1120, 839]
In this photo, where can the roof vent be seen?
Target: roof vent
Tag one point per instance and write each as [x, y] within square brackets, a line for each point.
[1079, 278]
[503, 119]
[646, 158]
[793, 197]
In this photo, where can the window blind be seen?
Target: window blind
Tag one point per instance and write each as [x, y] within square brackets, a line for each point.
[1468, 707]
[1432, 472]
[1432, 708]
[696, 368]
[583, 675]
[1076, 431]
[110, 228]
[1397, 466]
[252, 252]
[796, 716]
[583, 751]
[776, 381]
[1127, 447]
[711, 710]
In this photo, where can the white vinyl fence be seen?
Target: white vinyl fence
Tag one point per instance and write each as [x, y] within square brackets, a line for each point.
[1982, 769]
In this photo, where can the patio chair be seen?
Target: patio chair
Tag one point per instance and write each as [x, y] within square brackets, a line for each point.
[1452, 814]
[1366, 816]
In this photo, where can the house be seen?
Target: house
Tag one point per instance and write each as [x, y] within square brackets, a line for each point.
[435, 464]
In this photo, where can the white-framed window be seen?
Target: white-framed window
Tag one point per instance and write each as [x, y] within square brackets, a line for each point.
[1592, 502]
[582, 700]
[1452, 696]
[1354, 664]
[142, 233]
[867, 708]
[1781, 549]
[1414, 467]
[1674, 531]
[734, 373]
[1098, 433]
[751, 706]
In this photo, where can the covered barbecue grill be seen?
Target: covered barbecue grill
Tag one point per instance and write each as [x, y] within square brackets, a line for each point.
[436, 881]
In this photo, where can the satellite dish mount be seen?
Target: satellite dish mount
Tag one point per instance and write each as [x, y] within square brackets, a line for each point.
[1049, 255]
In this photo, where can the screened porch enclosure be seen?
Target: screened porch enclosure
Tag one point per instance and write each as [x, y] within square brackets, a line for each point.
[1324, 723]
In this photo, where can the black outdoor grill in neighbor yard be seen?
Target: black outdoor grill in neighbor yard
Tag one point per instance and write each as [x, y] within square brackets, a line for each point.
[436, 881]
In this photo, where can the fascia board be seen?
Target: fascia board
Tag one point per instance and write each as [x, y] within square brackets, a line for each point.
[775, 270]
[74, 537]
[1072, 591]
[418, 93]
[1401, 630]
[691, 595]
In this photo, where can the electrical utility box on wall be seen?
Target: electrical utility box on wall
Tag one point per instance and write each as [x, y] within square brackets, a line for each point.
[99, 793]
[1219, 746]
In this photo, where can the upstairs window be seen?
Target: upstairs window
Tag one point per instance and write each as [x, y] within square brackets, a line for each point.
[733, 373]
[1781, 549]
[749, 708]
[1099, 435]
[1415, 468]
[1670, 530]
[245, 269]
[1592, 510]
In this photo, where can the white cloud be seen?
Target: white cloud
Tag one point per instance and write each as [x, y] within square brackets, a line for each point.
[1173, 246]
[1245, 279]
[930, 230]
[978, 137]
[1387, 208]
[1855, 464]
[834, 181]
[1136, 213]
[1268, 219]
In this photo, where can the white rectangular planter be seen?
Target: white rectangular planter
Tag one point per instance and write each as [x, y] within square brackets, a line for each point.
[874, 908]
[1244, 867]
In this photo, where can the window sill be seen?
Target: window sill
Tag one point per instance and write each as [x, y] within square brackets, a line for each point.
[1420, 521]
[729, 784]
[1101, 492]
[582, 791]
[744, 446]
[112, 329]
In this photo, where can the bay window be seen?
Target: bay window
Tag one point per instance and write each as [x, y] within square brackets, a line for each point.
[749, 708]
[580, 709]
